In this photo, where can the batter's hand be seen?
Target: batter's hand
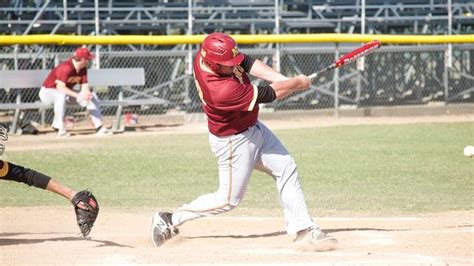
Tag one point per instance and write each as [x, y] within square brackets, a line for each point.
[303, 82]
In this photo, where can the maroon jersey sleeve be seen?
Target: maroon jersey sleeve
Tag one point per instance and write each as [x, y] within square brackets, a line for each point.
[232, 95]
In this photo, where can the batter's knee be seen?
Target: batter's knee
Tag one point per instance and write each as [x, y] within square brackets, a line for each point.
[9, 171]
[229, 201]
[288, 162]
[234, 202]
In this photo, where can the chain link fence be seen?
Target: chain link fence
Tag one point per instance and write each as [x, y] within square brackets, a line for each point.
[393, 76]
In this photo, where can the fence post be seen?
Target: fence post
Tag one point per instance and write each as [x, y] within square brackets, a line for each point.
[448, 53]
[336, 84]
[360, 61]
[189, 57]
[18, 96]
[116, 125]
[44, 65]
[276, 58]
[96, 22]
[446, 75]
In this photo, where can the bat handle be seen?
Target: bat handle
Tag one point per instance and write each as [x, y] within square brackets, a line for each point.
[315, 74]
[312, 76]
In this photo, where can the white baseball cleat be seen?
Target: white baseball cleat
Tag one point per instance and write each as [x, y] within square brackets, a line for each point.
[62, 133]
[313, 239]
[103, 131]
[162, 228]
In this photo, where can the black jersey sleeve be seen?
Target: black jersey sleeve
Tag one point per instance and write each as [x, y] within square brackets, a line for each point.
[266, 94]
[247, 63]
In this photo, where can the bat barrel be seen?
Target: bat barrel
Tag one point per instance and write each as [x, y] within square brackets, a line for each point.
[358, 53]
[350, 57]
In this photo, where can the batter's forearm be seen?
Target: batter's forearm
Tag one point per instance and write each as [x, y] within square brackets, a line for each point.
[263, 71]
[284, 88]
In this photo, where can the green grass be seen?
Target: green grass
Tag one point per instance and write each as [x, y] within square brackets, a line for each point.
[389, 168]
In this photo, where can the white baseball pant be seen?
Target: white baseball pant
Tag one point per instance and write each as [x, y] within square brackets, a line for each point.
[60, 99]
[237, 156]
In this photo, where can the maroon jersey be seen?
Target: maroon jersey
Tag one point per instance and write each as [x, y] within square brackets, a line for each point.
[66, 73]
[228, 101]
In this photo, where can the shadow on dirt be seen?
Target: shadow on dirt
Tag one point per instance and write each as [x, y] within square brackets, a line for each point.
[25, 241]
[389, 230]
[279, 233]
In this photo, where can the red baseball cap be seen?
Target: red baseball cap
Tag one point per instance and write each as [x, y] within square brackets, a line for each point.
[83, 53]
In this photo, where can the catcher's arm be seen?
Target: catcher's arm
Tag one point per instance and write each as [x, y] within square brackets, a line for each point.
[85, 204]
[56, 187]
[13, 172]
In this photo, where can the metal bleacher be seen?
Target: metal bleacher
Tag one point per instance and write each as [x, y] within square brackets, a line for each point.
[166, 68]
[246, 16]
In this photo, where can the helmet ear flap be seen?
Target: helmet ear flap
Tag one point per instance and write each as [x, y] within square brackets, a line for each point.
[212, 65]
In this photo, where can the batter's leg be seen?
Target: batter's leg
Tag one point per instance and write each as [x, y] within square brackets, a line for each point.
[236, 159]
[276, 161]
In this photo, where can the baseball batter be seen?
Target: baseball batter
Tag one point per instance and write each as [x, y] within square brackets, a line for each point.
[241, 143]
[58, 90]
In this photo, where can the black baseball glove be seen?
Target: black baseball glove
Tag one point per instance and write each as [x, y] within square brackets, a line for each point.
[85, 218]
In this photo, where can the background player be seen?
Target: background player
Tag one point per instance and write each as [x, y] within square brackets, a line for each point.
[58, 90]
[85, 204]
[242, 143]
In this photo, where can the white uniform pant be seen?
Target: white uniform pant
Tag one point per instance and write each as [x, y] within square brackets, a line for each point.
[60, 99]
[237, 156]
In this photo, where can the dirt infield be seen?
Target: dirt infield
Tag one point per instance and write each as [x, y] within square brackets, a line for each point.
[42, 235]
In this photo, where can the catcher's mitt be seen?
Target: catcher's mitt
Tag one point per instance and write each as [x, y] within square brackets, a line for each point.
[85, 218]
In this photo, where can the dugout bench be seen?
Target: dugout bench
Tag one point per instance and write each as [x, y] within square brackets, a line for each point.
[123, 78]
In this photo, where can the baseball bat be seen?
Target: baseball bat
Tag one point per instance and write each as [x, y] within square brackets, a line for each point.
[350, 57]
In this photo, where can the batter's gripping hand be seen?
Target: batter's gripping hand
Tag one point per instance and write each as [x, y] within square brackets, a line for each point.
[85, 218]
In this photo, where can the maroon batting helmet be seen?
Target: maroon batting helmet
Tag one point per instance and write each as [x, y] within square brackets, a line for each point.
[220, 48]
